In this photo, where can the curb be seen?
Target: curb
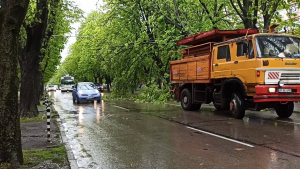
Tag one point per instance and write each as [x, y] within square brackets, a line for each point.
[70, 155]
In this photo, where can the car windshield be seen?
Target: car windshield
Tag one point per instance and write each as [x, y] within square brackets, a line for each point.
[51, 86]
[277, 47]
[86, 86]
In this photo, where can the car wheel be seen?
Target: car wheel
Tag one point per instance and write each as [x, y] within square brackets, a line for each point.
[98, 101]
[237, 106]
[186, 99]
[76, 100]
[285, 110]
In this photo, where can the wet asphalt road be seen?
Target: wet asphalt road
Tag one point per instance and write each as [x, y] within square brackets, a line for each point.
[123, 134]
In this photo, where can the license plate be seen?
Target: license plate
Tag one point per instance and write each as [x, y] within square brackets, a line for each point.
[284, 90]
[89, 98]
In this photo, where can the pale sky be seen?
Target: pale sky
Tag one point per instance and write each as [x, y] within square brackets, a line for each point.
[87, 6]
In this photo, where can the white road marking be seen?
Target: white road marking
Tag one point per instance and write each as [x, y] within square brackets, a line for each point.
[232, 140]
[121, 107]
[287, 122]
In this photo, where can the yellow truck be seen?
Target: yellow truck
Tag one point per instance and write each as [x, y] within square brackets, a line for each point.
[238, 70]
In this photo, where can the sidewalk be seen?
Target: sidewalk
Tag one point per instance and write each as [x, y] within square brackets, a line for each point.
[38, 152]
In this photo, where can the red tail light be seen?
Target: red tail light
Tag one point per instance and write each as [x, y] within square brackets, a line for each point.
[258, 73]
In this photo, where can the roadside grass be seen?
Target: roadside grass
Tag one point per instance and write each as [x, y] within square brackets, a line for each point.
[34, 157]
[32, 119]
[41, 106]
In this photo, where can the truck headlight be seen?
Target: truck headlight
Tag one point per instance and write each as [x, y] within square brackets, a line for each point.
[272, 90]
[281, 83]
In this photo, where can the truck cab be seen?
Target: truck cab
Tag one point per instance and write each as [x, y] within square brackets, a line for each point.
[254, 71]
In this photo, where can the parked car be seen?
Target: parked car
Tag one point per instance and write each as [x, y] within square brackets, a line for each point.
[99, 87]
[56, 87]
[51, 88]
[85, 91]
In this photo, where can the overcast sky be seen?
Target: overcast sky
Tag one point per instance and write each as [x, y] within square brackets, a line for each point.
[87, 6]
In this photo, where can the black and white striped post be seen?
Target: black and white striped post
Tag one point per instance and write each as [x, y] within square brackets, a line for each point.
[48, 123]
[48, 103]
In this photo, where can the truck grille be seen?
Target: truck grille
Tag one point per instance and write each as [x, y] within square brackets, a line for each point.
[290, 76]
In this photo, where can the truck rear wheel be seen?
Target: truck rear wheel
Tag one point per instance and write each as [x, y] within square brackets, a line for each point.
[285, 110]
[237, 105]
[186, 100]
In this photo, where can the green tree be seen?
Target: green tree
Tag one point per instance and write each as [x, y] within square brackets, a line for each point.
[40, 54]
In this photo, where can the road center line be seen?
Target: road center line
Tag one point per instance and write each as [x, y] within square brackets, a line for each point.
[121, 107]
[232, 140]
[287, 122]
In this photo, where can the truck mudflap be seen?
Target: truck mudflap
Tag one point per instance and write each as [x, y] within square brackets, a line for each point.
[274, 93]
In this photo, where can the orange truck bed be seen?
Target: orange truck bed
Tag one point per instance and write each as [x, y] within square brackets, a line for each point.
[194, 67]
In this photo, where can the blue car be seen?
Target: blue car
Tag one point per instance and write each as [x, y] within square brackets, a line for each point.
[85, 91]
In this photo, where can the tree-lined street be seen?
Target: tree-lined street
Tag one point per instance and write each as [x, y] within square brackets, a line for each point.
[127, 51]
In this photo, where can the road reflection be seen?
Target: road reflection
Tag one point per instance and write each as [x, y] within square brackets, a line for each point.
[102, 107]
[52, 94]
[98, 115]
[80, 115]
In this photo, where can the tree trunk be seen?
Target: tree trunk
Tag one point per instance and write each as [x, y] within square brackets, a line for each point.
[42, 89]
[30, 59]
[95, 79]
[108, 83]
[29, 80]
[267, 22]
[100, 79]
[12, 15]
[108, 87]
[39, 88]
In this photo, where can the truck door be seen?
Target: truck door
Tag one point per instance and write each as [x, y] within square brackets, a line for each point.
[222, 63]
[244, 62]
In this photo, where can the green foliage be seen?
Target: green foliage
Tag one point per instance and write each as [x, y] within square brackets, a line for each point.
[32, 119]
[34, 157]
[153, 94]
[61, 16]
[66, 13]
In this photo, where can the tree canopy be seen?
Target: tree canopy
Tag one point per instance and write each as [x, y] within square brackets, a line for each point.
[130, 41]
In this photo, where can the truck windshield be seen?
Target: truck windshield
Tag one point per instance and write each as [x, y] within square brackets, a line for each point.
[277, 47]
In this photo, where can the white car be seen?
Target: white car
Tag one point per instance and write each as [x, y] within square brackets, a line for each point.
[51, 88]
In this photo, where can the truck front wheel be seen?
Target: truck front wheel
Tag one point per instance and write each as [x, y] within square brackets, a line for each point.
[186, 100]
[285, 110]
[237, 105]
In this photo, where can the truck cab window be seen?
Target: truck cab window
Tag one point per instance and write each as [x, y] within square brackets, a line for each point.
[224, 53]
[241, 48]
